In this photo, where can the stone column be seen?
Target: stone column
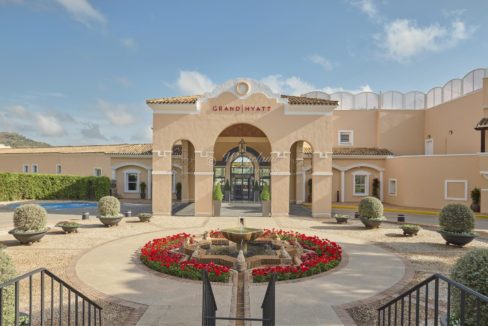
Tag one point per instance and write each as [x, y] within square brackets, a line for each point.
[162, 182]
[203, 179]
[321, 185]
[149, 183]
[343, 186]
[280, 183]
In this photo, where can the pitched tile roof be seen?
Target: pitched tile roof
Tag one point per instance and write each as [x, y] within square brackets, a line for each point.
[358, 151]
[293, 100]
[146, 149]
[483, 124]
[120, 149]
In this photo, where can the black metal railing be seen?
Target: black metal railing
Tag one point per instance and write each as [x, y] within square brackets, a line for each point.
[436, 300]
[41, 298]
[209, 307]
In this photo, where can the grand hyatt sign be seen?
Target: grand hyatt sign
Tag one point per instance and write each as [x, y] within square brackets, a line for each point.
[241, 108]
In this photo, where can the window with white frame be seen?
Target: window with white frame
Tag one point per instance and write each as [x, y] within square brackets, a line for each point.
[25, 168]
[131, 181]
[392, 187]
[346, 137]
[35, 168]
[97, 172]
[360, 183]
[59, 169]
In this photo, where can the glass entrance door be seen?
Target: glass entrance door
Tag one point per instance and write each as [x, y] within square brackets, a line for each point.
[242, 178]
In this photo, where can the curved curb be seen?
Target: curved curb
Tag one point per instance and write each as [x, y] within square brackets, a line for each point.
[396, 289]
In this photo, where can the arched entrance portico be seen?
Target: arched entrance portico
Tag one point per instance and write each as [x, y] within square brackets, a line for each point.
[241, 154]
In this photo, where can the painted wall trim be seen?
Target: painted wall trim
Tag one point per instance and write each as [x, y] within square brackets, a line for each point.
[446, 183]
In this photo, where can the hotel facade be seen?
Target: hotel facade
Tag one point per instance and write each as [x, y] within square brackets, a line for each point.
[409, 149]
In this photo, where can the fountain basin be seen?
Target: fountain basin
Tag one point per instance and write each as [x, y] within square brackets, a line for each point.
[238, 235]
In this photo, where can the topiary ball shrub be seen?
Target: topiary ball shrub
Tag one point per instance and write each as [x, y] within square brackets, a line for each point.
[265, 194]
[456, 218]
[371, 208]
[30, 217]
[109, 206]
[471, 270]
[7, 272]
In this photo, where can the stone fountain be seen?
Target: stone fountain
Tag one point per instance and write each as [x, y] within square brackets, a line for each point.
[241, 235]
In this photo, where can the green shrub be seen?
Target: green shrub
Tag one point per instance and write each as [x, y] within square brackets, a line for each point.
[17, 186]
[217, 193]
[109, 206]
[476, 195]
[471, 270]
[265, 194]
[410, 227]
[7, 272]
[30, 217]
[456, 218]
[371, 208]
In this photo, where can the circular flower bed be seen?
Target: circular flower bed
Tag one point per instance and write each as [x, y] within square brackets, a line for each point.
[324, 255]
[319, 255]
[158, 255]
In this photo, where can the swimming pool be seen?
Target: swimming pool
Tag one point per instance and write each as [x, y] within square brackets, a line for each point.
[61, 205]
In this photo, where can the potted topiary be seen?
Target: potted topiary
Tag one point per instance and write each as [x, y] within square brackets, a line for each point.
[470, 270]
[68, 226]
[341, 218]
[178, 191]
[109, 210]
[475, 197]
[143, 187]
[30, 222]
[371, 212]
[217, 199]
[144, 217]
[227, 190]
[256, 191]
[457, 224]
[266, 201]
[410, 229]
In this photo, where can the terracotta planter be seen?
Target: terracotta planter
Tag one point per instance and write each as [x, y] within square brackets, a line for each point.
[216, 207]
[370, 224]
[341, 220]
[266, 205]
[28, 238]
[459, 240]
[110, 221]
[70, 229]
[145, 218]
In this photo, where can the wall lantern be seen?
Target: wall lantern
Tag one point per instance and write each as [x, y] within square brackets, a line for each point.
[242, 146]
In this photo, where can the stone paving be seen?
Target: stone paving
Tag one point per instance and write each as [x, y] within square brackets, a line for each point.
[113, 269]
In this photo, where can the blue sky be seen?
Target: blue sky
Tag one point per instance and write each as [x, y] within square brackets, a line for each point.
[78, 71]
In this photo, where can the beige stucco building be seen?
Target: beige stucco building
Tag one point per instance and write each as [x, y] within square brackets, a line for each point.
[413, 149]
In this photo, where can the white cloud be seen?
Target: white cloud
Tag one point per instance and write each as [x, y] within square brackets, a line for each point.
[92, 131]
[403, 39]
[83, 11]
[49, 126]
[117, 114]
[193, 82]
[145, 136]
[296, 86]
[321, 61]
[129, 43]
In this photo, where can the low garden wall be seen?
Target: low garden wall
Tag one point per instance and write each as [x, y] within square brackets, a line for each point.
[17, 186]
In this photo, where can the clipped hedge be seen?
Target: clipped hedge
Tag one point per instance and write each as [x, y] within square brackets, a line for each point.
[17, 186]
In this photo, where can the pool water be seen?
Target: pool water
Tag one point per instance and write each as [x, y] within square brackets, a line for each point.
[62, 205]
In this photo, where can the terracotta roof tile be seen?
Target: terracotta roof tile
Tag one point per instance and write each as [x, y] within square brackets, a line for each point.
[121, 149]
[367, 151]
[293, 100]
[483, 124]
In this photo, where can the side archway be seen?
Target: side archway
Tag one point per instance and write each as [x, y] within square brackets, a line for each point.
[301, 171]
[182, 186]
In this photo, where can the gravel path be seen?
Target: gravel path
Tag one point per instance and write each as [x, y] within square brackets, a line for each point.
[58, 252]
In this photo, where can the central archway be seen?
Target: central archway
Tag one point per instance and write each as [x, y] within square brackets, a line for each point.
[242, 162]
